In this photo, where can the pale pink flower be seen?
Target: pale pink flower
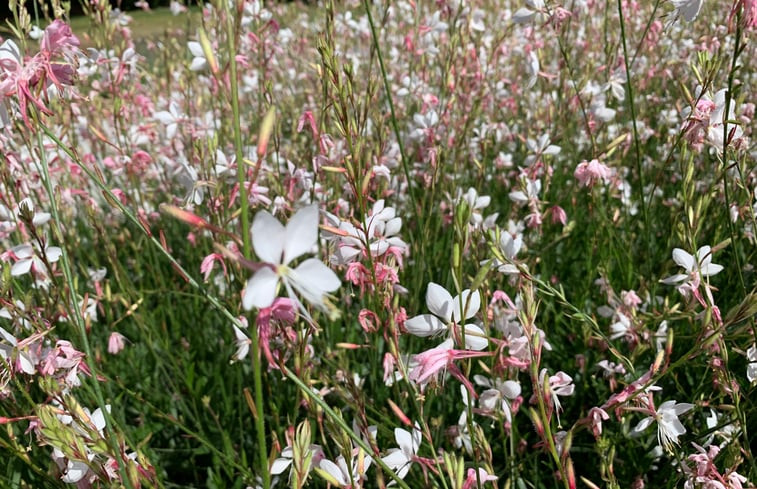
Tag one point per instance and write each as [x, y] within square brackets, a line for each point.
[433, 361]
[596, 416]
[590, 172]
[472, 479]
[560, 384]
[116, 343]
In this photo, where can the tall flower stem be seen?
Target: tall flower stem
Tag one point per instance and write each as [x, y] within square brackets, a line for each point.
[77, 316]
[637, 148]
[257, 374]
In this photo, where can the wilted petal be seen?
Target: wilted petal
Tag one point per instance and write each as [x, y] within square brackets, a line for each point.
[268, 236]
[260, 290]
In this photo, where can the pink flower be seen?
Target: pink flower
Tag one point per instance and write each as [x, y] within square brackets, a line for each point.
[433, 361]
[471, 480]
[58, 38]
[116, 343]
[596, 416]
[588, 173]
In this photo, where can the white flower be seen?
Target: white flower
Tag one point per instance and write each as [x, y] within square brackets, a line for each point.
[242, 342]
[277, 246]
[27, 259]
[447, 312]
[383, 227]
[400, 459]
[669, 428]
[199, 62]
[530, 12]
[475, 203]
[496, 397]
[343, 475]
[751, 370]
[530, 191]
[702, 266]
[510, 245]
[171, 118]
[688, 9]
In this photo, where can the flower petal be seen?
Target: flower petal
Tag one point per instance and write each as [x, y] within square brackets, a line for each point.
[439, 301]
[318, 275]
[301, 233]
[711, 269]
[682, 408]
[475, 338]
[471, 303]
[683, 259]
[268, 236]
[425, 325]
[21, 267]
[260, 290]
[280, 465]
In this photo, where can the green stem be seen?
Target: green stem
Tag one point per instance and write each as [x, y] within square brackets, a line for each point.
[257, 375]
[395, 126]
[77, 317]
[637, 149]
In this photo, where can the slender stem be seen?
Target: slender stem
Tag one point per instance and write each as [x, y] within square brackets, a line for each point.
[77, 317]
[637, 149]
[731, 228]
[257, 375]
[395, 126]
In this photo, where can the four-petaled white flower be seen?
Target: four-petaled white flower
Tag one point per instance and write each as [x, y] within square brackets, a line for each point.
[28, 258]
[447, 314]
[669, 428]
[696, 267]
[498, 394]
[277, 246]
[400, 459]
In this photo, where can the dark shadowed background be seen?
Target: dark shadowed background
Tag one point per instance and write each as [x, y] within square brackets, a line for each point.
[76, 6]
